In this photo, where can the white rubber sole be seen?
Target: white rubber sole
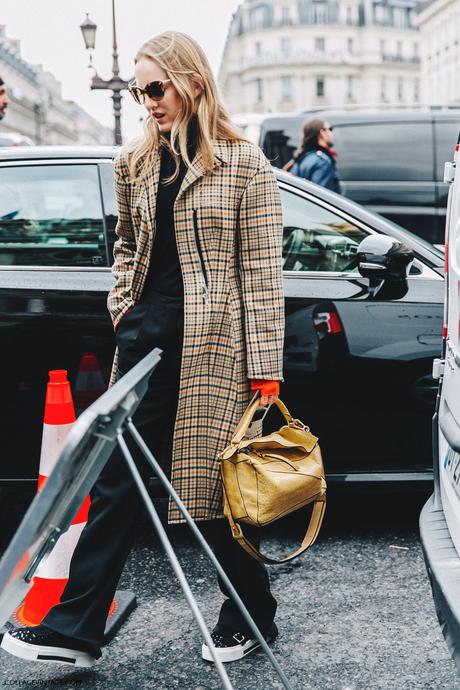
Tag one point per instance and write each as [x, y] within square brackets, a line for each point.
[226, 654]
[49, 655]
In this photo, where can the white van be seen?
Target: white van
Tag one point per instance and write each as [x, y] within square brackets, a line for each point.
[440, 517]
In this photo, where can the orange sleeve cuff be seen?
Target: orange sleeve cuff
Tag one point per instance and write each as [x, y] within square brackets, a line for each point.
[265, 387]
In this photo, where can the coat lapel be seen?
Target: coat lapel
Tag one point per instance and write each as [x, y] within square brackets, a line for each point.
[192, 175]
[198, 170]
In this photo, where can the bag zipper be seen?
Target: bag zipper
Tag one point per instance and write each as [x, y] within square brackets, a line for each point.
[204, 280]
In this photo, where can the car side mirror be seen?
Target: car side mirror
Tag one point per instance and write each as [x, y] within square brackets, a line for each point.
[383, 258]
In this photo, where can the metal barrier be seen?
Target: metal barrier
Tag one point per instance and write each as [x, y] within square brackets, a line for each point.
[90, 443]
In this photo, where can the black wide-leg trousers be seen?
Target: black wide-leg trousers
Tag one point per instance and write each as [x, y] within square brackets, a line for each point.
[107, 538]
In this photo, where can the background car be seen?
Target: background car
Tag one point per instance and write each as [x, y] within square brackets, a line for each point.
[391, 161]
[15, 139]
[358, 350]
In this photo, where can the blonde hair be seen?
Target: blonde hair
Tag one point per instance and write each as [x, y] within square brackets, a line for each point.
[184, 62]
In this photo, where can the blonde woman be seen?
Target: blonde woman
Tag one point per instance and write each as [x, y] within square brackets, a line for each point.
[198, 274]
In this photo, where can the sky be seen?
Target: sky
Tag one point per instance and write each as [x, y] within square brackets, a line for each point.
[49, 33]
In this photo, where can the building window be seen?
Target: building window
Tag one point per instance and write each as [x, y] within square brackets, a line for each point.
[350, 86]
[285, 46]
[350, 46]
[416, 90]
[320, 45]
[257, 48]
[286, 88]
[349, 16]
[383, 88]
[399, 16]
[402, 17]
[285, 16]
[416, 53]
[260, 17]
[379, 14]
[409, 15]
[400, 89]
[259, 91]
[320, 87]
[319, 12]
[399, 50]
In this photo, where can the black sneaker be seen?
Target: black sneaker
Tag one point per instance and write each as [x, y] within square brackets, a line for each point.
[232, 646]
[39, 643]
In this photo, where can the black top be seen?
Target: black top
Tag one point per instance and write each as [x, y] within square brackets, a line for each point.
[165, 274]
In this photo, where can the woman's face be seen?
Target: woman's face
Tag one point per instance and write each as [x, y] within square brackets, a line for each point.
[165, 109]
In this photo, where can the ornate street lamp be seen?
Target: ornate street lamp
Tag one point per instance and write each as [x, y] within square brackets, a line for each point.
[115, 84]
[88, 29]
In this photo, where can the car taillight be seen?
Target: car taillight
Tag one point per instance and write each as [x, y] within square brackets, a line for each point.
[328, 322]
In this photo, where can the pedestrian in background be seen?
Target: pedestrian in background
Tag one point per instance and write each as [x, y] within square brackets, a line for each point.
[314, 160]
[198, 270]
[4, 99]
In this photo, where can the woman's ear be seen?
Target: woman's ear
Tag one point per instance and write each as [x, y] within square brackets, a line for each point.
[198, 84]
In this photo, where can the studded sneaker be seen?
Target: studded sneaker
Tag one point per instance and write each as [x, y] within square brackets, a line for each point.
[232, 646]
[39, 643]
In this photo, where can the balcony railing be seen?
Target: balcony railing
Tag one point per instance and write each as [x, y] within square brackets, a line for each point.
[306, 57]
[414, 59]
[319, 18]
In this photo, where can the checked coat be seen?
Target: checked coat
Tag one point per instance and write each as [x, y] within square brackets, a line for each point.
[228, 226]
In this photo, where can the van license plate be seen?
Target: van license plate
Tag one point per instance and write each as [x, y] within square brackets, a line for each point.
[452, 467]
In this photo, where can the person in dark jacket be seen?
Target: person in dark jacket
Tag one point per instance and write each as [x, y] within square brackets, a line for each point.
[314, 160]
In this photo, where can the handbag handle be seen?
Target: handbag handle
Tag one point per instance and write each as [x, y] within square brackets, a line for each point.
[249, 413]
[313, 528]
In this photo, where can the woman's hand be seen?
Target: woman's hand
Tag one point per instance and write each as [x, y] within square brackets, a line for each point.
[266, 400]
[269, 391]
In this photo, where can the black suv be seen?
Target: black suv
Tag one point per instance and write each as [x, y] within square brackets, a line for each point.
[357, 355]
[390, 161]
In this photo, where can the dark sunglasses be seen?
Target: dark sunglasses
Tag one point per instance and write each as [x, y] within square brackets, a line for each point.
[154, 90]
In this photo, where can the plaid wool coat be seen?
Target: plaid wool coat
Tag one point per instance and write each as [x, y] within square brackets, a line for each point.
[228, 227]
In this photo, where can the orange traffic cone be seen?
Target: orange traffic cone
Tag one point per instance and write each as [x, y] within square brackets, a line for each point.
[53, 573]
[90, 383]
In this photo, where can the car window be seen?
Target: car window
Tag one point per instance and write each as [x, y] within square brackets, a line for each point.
[279, 138]
[316, 239]
[51, 215]
[389, 151]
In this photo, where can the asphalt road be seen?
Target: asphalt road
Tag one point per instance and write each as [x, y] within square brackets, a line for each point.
[355, 613]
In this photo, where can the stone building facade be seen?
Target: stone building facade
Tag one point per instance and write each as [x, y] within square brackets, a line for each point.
[284, 55]
[439, 25]
[37, 108]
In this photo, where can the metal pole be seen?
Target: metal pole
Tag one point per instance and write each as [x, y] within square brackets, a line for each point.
[115, 67]
[202, 541]
[116, 84]
[116, 98]
[173, 560]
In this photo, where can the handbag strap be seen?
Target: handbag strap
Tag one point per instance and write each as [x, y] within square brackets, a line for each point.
[249, 413]
[313, 528]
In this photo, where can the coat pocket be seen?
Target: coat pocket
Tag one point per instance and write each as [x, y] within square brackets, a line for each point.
[204, 277]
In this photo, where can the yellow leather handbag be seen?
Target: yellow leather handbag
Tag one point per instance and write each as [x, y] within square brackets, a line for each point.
[271, 476]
